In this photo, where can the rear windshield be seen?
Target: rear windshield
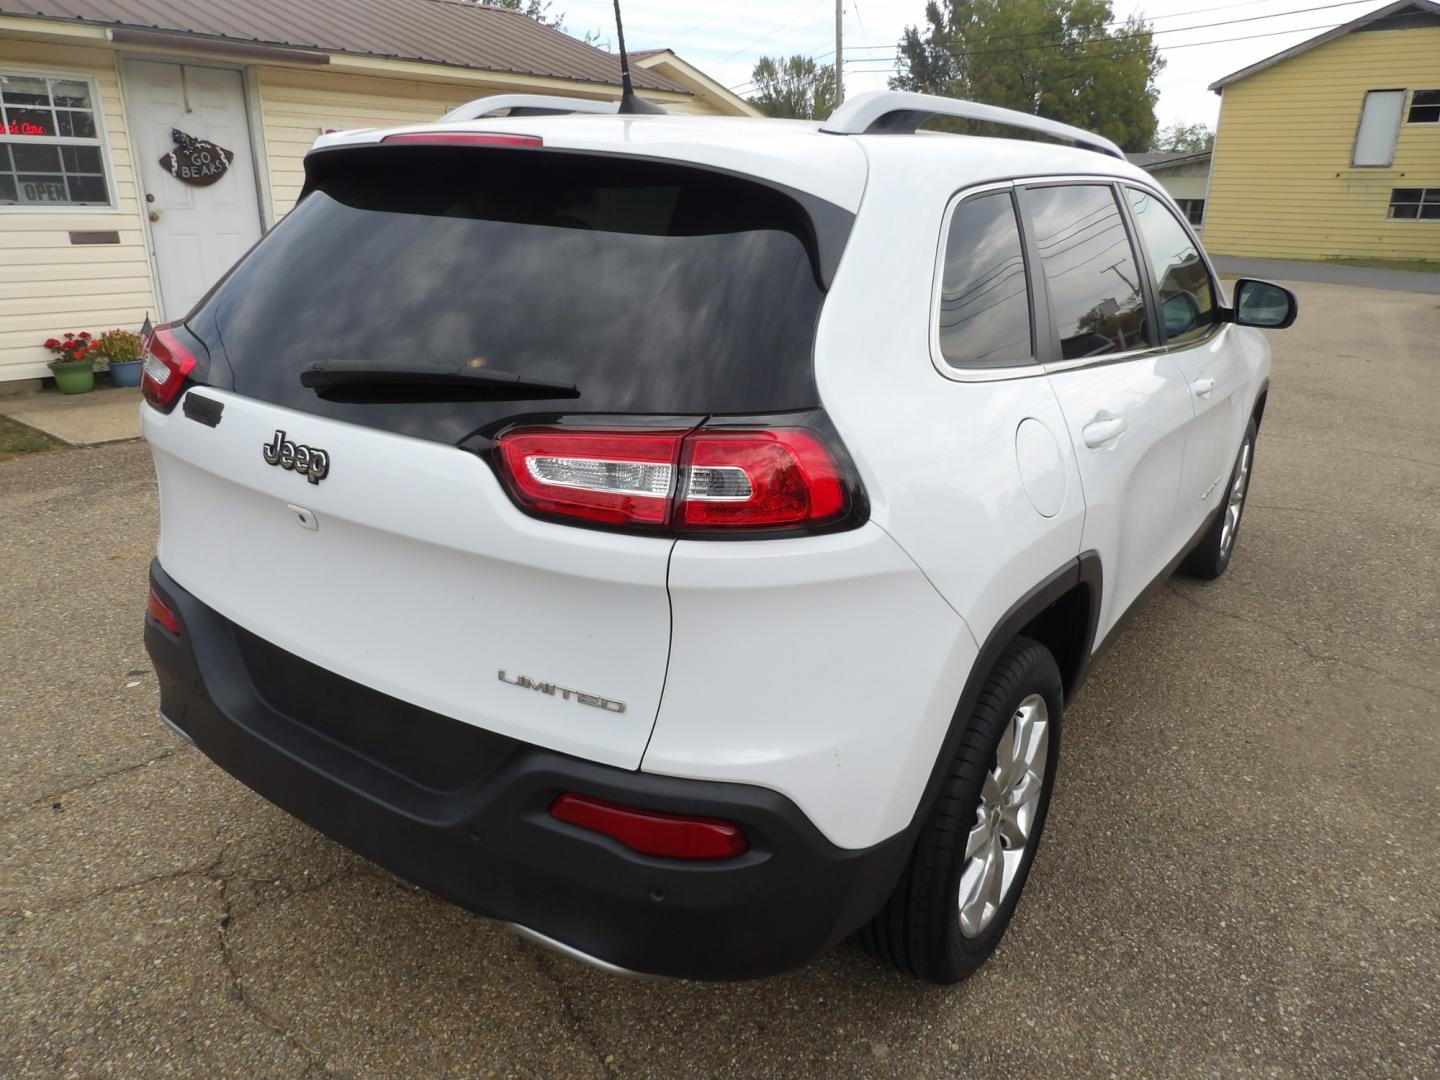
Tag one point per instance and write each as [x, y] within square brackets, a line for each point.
[652, 288]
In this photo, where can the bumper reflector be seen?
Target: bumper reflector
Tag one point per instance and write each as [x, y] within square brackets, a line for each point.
[670, 836]
[158, 610]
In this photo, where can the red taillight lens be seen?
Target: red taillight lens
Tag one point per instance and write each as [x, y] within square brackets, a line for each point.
[670, 836]
[167, 362]
[160, 611]
[765, 479]
[462, 138]
[706, 481]
[609, 477]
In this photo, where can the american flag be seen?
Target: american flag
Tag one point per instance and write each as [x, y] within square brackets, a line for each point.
[145, 331]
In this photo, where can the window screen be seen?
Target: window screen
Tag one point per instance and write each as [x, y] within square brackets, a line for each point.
[1090, 270]
[1179, 274]
[984, 298]
[50, 150]
[1379, 127]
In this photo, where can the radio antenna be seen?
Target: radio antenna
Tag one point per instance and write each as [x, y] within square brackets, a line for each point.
[630, 102]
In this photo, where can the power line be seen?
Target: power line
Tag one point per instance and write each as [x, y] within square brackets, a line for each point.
[772, 33]
[1122, 41]
[1171, 30]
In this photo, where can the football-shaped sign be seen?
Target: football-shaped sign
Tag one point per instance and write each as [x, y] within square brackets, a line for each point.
[196, 161]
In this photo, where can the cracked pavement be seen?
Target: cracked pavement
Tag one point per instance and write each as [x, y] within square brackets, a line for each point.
[1240, 876]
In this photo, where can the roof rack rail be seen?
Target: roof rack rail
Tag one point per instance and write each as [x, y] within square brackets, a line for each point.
[529, 105]
[899, 112]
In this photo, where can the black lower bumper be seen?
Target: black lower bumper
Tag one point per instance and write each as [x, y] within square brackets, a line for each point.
[465, 814]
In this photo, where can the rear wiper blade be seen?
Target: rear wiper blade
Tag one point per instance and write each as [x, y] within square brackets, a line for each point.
[347, 380]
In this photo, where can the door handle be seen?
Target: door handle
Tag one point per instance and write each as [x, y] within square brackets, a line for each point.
[1202, 386]
[154, 215]
[1099, 432]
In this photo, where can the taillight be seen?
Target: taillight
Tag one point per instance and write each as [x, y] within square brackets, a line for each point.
[766, 479]
[612, 478]
[167, 363]
[462, 138]
[160, 611]
[650, 832]
[710, 481]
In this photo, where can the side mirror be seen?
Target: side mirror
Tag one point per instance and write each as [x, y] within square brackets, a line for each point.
[1180, 312]
[1263, 304]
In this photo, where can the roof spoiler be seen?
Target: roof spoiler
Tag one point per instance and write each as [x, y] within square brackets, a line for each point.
[896, 112]
[530, 105]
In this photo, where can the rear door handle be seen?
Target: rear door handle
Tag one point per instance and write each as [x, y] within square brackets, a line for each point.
[1099, 432]
[1203, 386]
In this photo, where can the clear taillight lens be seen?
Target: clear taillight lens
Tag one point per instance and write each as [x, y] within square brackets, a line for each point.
[610, 478]
[706, 481]
[167, 363]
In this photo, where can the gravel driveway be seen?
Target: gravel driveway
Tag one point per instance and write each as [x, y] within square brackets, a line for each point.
[1240, 877]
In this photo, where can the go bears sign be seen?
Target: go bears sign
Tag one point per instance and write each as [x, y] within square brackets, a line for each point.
[196, 161]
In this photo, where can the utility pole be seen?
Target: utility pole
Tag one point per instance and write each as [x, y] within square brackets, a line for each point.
[839, 51]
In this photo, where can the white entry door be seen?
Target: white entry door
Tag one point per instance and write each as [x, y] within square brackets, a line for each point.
[200, 223]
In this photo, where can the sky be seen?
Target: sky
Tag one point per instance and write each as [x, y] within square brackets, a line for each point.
[724, 38]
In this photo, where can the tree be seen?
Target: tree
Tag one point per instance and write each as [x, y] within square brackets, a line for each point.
[1068, 60]
[539, 10]
[796, 88]
[1184, 139]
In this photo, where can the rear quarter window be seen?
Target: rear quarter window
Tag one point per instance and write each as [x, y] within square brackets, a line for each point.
[983, 316]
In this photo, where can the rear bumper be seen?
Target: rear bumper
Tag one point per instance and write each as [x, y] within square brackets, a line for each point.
[464, 813]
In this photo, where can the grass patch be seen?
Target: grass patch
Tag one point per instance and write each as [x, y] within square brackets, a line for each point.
[16, 439]
[1424, 266]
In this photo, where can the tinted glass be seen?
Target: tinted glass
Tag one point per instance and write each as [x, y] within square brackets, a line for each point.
[652, 288]
[984, 301]
[1090, 271]
[1181, 279]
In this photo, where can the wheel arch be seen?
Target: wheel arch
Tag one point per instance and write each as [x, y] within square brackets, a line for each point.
[1062, 613]
[1258, 412]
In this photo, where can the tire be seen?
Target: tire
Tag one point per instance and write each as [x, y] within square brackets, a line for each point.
[1209, 558]
[920, 930]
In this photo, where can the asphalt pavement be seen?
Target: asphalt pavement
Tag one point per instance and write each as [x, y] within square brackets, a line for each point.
[1240, 877]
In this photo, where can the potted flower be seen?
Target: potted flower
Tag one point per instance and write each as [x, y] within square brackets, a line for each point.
[74, 363]
[122, 350]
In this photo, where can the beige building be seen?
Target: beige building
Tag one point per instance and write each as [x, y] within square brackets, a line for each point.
[1184, 176]
[139, 161]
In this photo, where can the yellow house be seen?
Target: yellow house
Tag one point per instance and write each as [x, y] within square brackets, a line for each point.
[107, 213]
[1332, 148]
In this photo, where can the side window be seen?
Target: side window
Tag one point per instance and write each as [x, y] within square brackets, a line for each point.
[1090, 270]
[1424, 107]
[1181, 279]
[984, 301]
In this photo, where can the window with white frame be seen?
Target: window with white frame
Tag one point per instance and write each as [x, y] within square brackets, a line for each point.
[1424, 107]
[51, 152]
[1414, 204]
[1193, 209]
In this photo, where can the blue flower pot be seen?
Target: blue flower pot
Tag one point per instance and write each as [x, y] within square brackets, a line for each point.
[126, 372]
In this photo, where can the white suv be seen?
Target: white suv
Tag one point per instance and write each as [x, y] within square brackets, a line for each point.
[679, 536]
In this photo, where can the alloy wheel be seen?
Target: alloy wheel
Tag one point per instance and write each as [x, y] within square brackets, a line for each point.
[1236, 502]
[1005, 816]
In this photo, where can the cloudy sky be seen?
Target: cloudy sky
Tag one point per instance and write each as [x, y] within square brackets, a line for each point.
[726, 37]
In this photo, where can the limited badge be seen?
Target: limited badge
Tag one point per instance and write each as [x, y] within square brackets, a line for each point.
[196, 161]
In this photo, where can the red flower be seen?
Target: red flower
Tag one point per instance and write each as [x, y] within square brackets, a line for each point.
[84, 335]
[78, 354]
[69, 337]
[52, 343]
